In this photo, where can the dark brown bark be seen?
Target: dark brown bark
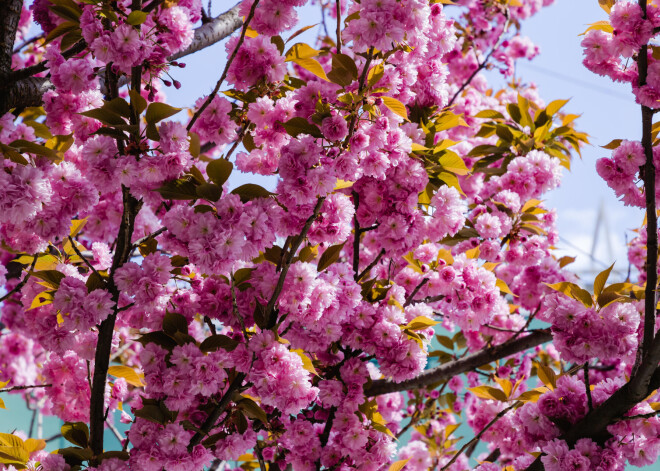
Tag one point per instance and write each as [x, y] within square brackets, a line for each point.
[9, 18]
[449, 370]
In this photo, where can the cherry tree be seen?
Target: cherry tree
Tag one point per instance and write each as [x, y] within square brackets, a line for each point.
[398, 280]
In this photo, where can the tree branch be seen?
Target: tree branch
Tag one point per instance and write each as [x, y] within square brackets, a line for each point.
[29, 91]
[212, 95]
[22, 388]
[11, 14]
[213, 417]
[212, 32]
[270, 307]
[483, 64]
[449, 370]
[478, 436]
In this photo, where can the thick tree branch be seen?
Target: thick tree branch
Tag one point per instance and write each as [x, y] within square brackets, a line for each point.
[106, 329]
[11, 14]
[212, 32]
[24, 92]
[449, 370]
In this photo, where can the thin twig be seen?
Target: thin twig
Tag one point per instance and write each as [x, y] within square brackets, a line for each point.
[210, 421]
[27, 42]
[270, 307]
[587, 386]
[356, 236]
[115, 431]
[482, 65]
[153, 235]
[415, 291]
[21, 388]
[478, 436]
[338, 26]
[371, 265]
[260, 457]
[84, 259]
[210, 98]
[234, 308]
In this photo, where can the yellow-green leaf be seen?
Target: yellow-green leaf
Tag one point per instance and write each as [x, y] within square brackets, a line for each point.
[452, 162]
[601, 25]
[136, 17]
[313, 66]
[601, 279]
[546, 375]
[158, 111]
[398, 465]
[488, 392]
[301, 51]
[126, 372]
[420, 323]
[76, 226]
[531, 395]
[307, 362]
[555, 106]
[395, 106]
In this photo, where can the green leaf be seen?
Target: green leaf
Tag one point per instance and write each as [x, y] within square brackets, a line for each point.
[180, 189]
[174, 322]
[219, 170]
[118, 106]
[53, 277]
[76, 433]
[61, 29]
[33, 148]
[209, 191]
[136, 18]
[395, 106]
[160, 338]
[299, 125]
[158, 111]
[215, 342]
[344, 71]
[104, 115]
[445, 341]
[250, 191]
[253, 410]
[138, 101]
[330, 256]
